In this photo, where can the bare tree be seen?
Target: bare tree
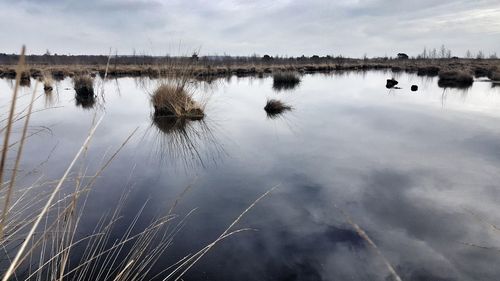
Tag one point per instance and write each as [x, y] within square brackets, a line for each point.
[443, 51]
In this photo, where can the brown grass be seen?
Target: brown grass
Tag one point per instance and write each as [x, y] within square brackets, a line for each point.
[48, 83]
[171, 99]
[84, 85]
[246, 66]
[455, 79]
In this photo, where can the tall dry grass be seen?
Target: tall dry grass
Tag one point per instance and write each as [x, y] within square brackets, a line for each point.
[39, 227]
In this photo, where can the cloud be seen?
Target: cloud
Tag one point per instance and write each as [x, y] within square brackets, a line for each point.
[287, 27]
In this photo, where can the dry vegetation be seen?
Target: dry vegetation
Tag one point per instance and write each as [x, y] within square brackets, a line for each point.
[39, 228]
[275, 108]
[455, 79]
[494, 75]
[175, 100]
[84, 85]
[285, 80]
[48, 83]
[242, 66]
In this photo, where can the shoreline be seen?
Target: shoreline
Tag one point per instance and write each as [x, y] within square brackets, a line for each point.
[423, 67]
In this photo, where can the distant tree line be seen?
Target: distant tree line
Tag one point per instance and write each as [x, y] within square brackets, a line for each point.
[445, 53]
[54, 59]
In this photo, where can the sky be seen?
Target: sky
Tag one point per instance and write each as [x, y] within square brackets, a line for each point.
[244, 27]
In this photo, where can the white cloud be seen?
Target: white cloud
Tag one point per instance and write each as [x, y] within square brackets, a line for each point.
[287, 27]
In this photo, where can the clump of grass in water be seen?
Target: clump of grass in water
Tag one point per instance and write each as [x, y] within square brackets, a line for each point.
[285, 80]
[48, 83]
[84, 85]
[494, 75]
[175, 100]
[455, 79]
[428, 71]
[275, 108]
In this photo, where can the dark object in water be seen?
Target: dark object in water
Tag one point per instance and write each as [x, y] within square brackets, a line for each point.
[275, 107]
[47, 88]
[414, 88]
[25, 80]
[86, 102]
[391, 83]
[455, 79]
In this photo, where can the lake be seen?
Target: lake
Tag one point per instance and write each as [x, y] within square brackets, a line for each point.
[419, 172]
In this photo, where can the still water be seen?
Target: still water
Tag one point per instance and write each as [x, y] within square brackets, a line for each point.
[419, 172]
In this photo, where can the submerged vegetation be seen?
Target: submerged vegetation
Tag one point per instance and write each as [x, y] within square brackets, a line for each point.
[455, 79]
[275, 108]
[285, 80]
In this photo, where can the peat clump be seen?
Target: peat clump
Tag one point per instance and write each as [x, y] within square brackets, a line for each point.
[455, 79]
[391, 83]
[285, 80]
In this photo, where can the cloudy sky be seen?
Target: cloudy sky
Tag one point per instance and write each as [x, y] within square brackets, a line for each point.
[245, 27]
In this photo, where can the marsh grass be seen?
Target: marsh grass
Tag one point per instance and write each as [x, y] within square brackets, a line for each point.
[455, 79]
[494, 75]
[40, 233]
[274, 108]
[428, 71]
[175, 100]
[84, 85]
[285, 80]
[48, 83]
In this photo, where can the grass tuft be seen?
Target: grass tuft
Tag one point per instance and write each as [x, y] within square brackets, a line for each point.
[494, 75]
[455, 79]
[48, 83]
[274, 108]
[285, 80]
[174, 100]
[84, 85]
[428, 71]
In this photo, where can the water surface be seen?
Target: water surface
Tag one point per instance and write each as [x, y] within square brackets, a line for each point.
[418, 171]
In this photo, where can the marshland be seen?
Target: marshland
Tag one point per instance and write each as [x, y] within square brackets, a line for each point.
[408, 168]
[249, 140]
